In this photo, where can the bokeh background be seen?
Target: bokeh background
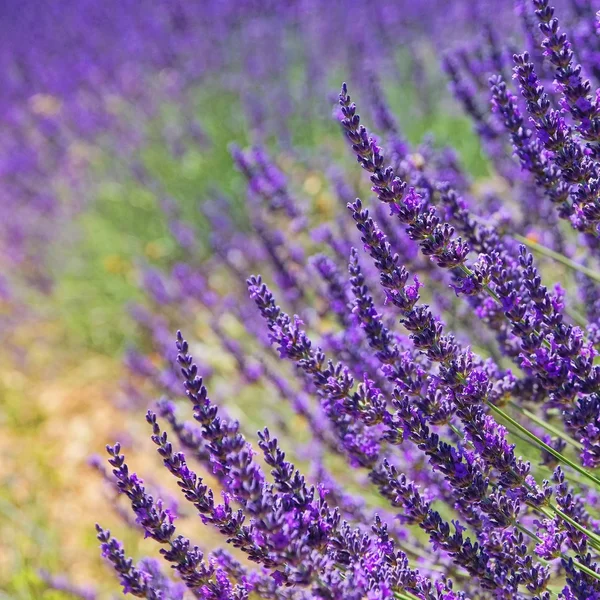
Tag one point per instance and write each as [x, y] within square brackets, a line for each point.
[118, 119]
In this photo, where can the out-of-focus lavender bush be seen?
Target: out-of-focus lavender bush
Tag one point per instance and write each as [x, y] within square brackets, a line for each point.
[96, 93]
[424, 357]
[85, 80]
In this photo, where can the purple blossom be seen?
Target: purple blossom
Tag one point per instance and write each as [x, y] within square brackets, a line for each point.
[423, 369]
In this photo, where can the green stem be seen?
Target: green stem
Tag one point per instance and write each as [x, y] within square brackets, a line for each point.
[579, 565]
[456, 430]
[593, 538]
[550, 428]
[573, 478]
[545, 446]
[577, 317]
[561, 258]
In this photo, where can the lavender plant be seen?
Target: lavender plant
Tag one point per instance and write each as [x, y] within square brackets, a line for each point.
[436, 395]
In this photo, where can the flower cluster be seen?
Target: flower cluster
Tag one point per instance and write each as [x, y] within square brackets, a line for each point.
[436, 399]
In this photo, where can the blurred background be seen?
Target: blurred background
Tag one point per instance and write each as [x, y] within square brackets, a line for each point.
[126, 212]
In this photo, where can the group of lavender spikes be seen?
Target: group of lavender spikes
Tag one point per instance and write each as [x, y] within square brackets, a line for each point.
[478, 521]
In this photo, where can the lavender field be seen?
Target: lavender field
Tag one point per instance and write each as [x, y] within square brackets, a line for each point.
[300, 300]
